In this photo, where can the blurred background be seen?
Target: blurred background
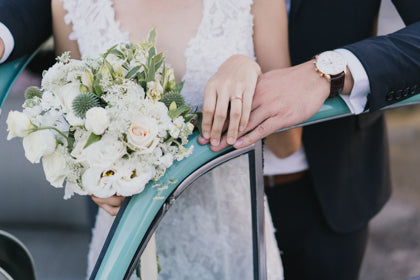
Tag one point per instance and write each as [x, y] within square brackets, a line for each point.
[57, 232]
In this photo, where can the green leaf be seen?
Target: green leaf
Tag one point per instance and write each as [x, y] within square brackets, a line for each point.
[70, 141]
[179, 111]
[158, 60]
[179, 86]
[93, 138]
[110, 50]
[132, 72]
[172, 106]
[97, 89]
[152, 53]
[117, 53]
[152, 37]
[189, 117]
[151, 74]
[110, 67]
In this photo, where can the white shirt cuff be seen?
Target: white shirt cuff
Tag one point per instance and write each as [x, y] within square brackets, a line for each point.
[8, 41]
[357, 99]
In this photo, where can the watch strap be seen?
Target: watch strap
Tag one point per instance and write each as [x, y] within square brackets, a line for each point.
[337, 84]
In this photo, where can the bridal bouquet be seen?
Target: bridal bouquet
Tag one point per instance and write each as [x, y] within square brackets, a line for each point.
[105, 125]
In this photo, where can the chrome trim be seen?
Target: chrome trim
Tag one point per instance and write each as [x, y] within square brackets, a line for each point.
[207, 167]
[5, 275]
[258, 228]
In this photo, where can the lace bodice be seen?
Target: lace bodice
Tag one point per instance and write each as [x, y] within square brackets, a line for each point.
[226, 28]
[211, 221]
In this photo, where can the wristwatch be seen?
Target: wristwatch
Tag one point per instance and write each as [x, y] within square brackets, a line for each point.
[332, 66]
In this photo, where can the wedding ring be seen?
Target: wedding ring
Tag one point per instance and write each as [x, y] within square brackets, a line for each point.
[239, 97]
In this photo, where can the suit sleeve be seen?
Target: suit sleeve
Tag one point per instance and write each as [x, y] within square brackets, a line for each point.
[29, 21]
[392, 62]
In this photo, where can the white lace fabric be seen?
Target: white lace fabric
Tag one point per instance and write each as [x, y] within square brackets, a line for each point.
[207, 234]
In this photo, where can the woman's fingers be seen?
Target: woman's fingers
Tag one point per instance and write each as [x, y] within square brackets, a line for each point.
[235, 118]
[110, 204]
[219, 117]
[246, 108]
[209, 106]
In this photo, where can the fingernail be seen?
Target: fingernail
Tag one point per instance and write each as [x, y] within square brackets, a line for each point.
[239, 143]
[206, 135]
[241, 128]
[214, 142]
[230, 140]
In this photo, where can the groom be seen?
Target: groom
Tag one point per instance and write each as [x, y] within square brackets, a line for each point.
[322, 218]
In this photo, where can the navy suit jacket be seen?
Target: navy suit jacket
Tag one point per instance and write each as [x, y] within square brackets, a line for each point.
[348, 158]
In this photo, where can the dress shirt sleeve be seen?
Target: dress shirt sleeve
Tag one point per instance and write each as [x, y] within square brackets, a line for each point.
[8, 42]
[357, 99]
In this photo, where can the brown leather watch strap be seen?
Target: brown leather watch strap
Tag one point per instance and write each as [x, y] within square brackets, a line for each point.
[337, 84]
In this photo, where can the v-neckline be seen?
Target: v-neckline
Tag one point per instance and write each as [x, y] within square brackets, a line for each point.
[190, 42]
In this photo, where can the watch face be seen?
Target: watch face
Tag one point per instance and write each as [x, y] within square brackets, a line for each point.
[331, 63]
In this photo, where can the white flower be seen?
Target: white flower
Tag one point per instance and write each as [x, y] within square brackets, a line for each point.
[105, 152]
[142, 134]
[133, 177]
[38, 144]
[166, 161]
[18, 124]
[97, 120]
[154, 90]
[71, 188]
[99, 181]
[55, 167]
[66, 94]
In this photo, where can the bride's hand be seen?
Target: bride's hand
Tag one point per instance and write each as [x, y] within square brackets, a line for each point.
[233, 84]
[111, 204]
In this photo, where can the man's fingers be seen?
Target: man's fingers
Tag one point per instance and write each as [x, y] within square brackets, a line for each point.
[260, 132]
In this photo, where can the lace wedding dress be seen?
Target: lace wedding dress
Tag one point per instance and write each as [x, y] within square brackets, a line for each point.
[207, 233]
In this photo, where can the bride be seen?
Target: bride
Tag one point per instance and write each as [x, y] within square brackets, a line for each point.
[212, 46]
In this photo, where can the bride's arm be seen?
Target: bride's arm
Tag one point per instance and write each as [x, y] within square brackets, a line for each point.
[272, 51]
[61, 31]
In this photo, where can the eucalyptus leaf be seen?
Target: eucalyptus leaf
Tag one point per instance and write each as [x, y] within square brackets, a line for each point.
[93, 138]
[151, 74]
[152, 37]
[179, 111]
[132, 72]
[117, 53]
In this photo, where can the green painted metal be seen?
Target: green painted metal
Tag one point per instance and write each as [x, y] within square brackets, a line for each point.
[142, 209]
[9, 72]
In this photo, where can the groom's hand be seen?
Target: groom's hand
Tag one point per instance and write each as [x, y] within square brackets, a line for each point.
[284, 98]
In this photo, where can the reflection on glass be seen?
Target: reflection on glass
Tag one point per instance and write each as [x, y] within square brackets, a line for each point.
[207, 233]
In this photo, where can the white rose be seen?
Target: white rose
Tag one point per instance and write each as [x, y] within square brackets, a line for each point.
[105, 152]
[18, 124]
[78, 152]
[155, 90]
[66, 94]
[133, 179]
[142, 134]
[55, 167]
[100, 182]
[38, 144]
[97, 120]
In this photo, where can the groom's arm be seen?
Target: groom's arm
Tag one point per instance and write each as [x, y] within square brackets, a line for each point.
[29, 23]
[392, 64]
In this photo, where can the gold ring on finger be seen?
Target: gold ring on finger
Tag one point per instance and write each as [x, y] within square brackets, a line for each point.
[238, 97]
